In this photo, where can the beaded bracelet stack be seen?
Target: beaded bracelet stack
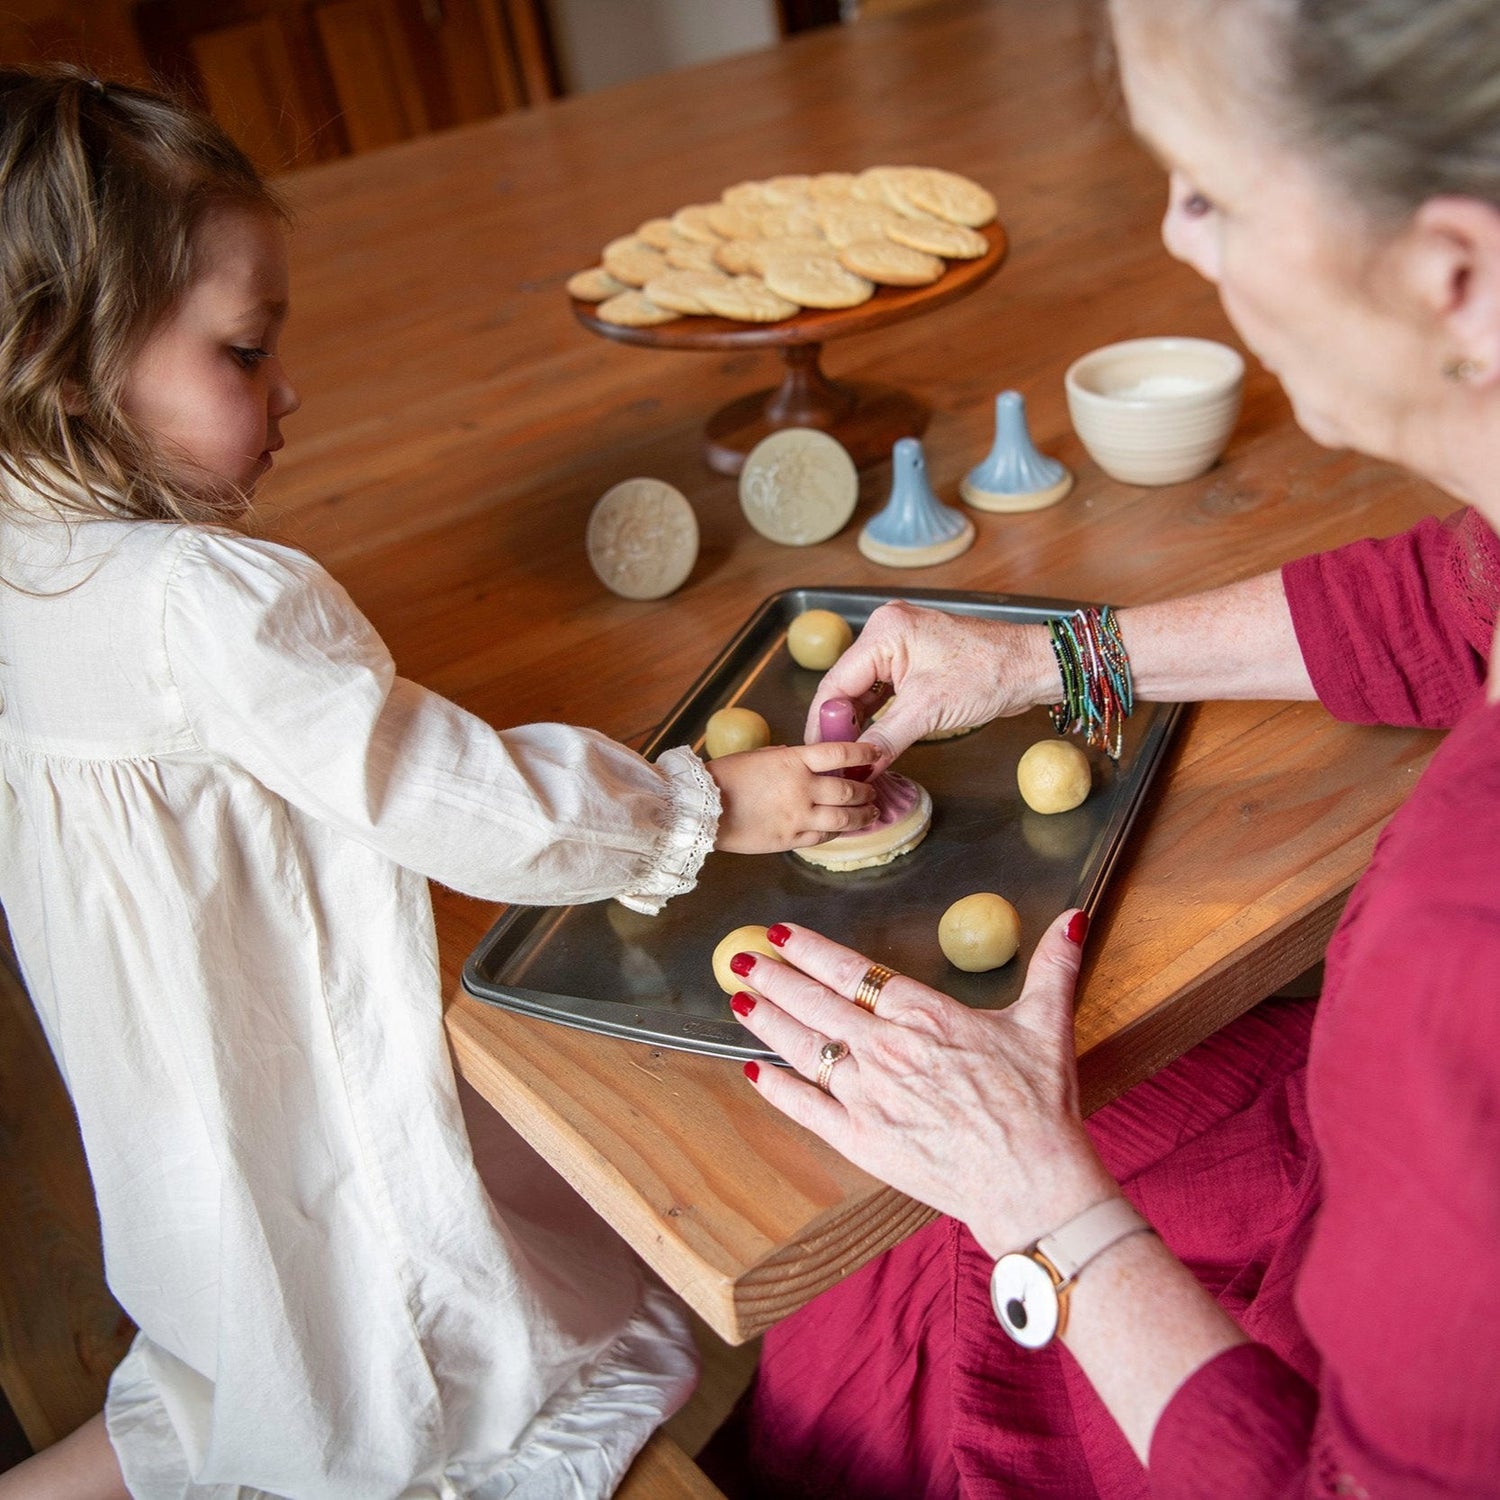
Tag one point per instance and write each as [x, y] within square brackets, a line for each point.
[1098, 694]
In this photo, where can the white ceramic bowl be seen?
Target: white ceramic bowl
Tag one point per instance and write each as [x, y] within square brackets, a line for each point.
[1156, 411]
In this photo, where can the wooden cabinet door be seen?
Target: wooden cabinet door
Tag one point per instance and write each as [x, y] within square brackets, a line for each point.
[296, 81]
[95, 34]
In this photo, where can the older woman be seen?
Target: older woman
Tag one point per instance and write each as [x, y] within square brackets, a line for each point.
[1318, 1308]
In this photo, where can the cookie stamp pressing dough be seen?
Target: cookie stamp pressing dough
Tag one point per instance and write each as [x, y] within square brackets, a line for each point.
[903, 809]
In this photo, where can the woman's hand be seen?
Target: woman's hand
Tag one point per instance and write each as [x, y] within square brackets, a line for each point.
[973, 1112]
[790, 796]
[948, 672]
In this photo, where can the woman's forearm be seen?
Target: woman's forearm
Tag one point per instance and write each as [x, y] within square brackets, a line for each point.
[1233, 642]
[1139, 1324]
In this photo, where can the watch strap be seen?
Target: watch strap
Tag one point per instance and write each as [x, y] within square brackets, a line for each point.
[1088, 1235]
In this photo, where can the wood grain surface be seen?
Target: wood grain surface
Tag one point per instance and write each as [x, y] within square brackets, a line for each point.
[458, 426]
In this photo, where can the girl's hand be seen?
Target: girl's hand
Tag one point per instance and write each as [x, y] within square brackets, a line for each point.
[948, 671]
[973, 1112]
[790, 796]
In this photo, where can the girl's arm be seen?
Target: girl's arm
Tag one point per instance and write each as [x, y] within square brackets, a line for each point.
[279, 674]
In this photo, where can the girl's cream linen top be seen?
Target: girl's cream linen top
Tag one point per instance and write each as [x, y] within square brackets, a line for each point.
[219, 810]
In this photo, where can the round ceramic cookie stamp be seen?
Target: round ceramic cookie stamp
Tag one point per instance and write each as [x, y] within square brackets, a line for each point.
[799, 486]
[642, 539]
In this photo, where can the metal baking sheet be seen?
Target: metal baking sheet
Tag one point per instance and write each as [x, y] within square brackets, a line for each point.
[607, 969]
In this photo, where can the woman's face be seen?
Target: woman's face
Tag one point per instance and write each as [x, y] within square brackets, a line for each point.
[1303, 277]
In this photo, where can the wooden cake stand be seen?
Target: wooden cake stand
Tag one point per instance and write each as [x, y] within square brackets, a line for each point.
[865, 417]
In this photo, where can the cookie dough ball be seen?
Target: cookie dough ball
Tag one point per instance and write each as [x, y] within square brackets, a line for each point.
[1054, 776]
[979, 932]
[734, 729]
[817, 638]
[750, 939]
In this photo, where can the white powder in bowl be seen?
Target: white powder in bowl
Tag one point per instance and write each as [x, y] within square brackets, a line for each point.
[1158, 388]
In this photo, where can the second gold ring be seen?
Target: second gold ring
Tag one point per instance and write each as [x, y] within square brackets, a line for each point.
[870, 986]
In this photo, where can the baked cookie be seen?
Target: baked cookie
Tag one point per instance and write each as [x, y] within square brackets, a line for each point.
[658, 233]
[744, 195]
[845, 220]
[631, 260]
[947, 195]
[831, 187]
[692, 224]
[793, 221]
[690, 255]
[594, 285]
[747, 299]
[634, 309]
[681, 291]
[816, 281]
[733, 222]
[937, 237]
[789, 188]
[889, 264]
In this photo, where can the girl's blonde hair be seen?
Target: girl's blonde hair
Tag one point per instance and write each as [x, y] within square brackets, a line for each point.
[102, 189]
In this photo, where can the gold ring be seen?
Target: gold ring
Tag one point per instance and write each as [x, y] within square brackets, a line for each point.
[871, 985]
[830, 1055]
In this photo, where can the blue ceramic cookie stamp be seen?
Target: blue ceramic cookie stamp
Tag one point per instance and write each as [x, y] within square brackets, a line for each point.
[915, 530]
[1015, 476]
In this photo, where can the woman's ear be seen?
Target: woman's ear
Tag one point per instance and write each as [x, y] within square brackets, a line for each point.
[1453, 267]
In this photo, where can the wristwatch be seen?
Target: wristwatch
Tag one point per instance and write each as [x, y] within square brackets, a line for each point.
[1029, 1288]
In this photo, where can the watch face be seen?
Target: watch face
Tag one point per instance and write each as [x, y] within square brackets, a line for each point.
[1025, 1300]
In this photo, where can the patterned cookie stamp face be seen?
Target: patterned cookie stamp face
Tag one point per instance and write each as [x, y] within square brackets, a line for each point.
[798, 487]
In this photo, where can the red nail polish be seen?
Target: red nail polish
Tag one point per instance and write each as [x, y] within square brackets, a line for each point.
[752, 1071]
[857, 773]
[742, 963]
[742, 1004]
[778, 934]
[1077, 928]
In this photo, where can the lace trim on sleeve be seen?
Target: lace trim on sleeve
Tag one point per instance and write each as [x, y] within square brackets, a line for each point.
[1474, 578]
[691, 821]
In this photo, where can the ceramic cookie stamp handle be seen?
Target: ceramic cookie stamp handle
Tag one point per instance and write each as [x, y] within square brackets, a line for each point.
[838, 719]
[915, 530]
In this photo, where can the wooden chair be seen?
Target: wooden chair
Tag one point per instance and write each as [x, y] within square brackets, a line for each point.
[296, 81]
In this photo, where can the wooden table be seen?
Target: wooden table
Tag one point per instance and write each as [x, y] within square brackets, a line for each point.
[459, 425]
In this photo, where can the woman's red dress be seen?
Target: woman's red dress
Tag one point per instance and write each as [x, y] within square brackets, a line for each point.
[1330, 1170]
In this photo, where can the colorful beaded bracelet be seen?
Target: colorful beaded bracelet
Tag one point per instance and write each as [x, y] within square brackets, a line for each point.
[1098, 694]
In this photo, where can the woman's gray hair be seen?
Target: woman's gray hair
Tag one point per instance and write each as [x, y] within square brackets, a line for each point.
[1399, 98]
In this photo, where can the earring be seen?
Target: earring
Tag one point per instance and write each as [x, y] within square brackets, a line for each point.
[1461, 371]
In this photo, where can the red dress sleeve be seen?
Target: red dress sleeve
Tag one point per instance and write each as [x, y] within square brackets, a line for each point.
[1398, 631]
[1239, 1425]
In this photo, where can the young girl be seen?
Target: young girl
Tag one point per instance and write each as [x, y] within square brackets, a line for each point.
[219, 810]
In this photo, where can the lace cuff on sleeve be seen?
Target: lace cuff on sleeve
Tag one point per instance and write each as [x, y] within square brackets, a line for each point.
[690, 821]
